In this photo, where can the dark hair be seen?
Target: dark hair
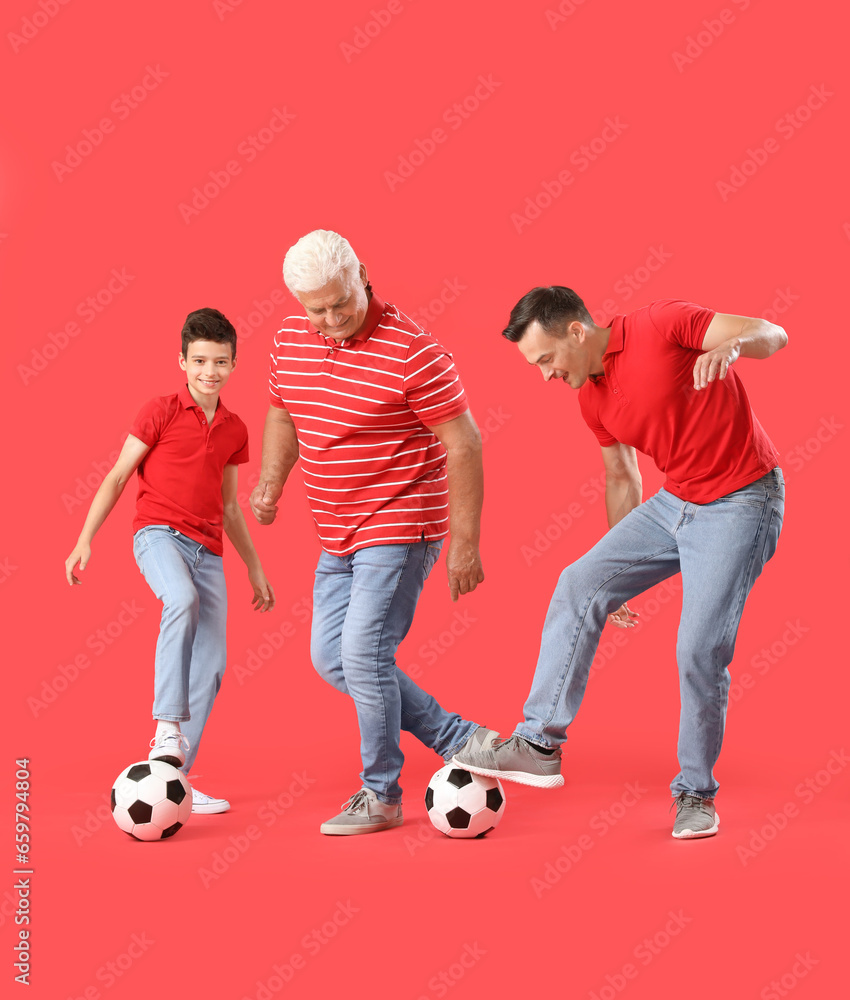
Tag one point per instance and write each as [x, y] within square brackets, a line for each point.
[208, 324]
[551, 307]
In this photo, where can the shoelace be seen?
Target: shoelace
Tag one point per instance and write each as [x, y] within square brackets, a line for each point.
[683, 799]
[357, 802]
[178, 738]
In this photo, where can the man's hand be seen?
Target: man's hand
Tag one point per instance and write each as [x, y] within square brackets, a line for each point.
[264, 498]
[81, 555]
[624, 617]
[463, 564]
[263, 599]
[714, 364]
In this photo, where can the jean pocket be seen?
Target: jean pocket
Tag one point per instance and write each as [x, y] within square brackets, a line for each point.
[432, 554]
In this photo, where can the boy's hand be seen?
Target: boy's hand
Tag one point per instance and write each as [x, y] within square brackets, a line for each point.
[264, 599]
[81, 555]
[264, 498]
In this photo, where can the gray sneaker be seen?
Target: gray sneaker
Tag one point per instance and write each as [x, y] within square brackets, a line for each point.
[695, 817]
[513, 759]
[363, 813]
[482, 738]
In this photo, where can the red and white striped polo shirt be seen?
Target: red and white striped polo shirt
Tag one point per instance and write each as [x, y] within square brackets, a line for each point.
[374, 472]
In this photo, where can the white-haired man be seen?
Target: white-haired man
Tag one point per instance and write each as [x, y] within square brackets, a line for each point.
[391, 458]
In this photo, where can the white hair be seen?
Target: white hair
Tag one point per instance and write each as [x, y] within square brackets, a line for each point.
[317, 259]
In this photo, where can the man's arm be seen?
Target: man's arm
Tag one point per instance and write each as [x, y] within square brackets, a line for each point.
[729, 337]
[237, 531]
[104, 500]
[462, 441]
[623, 487]
[280, 453]
[623, 492]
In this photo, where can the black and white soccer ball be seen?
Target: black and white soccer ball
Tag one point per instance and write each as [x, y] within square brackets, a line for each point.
[151, 800]
[463, 804]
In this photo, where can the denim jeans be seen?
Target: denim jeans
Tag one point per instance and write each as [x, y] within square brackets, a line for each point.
[720, 548]
[363, 606]
[191, 650]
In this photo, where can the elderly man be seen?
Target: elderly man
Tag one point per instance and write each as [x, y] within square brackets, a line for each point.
[391, 459]
[660, 380]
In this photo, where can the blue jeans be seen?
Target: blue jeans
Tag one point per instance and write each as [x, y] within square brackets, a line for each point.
[720, 548]
[363, 606]
[191, 650]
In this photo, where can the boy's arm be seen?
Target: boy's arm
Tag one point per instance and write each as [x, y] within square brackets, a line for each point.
[237, 532]
[110, 490]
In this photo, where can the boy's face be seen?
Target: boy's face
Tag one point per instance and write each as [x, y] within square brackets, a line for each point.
[208, 366]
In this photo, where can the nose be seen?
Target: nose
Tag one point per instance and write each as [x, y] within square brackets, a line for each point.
[547, 374]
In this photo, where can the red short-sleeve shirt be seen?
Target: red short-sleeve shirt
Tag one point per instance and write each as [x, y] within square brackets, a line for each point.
[180, 477]
[708, 442]
[362, 407]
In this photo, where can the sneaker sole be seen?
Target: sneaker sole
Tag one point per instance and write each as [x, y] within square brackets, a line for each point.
[170, 759]
[698, 834]
[520, 777]
[338, 830]
[209, 810]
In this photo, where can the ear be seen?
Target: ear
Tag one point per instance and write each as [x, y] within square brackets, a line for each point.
[577, 331]
[181, 361]
[364, 277]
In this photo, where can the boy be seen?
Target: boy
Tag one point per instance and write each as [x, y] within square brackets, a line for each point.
[186, 448]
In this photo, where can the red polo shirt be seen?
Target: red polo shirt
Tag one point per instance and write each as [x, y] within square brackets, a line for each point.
[180, 478]
[374, 472]
[708, 442]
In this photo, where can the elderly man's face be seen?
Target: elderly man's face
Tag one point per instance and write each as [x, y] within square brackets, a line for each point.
[339, 308]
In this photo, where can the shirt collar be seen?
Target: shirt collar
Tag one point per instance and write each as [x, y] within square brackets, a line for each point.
[615, 338]
[374, 312]
[185, 397]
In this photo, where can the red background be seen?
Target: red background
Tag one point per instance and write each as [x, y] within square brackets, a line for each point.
[780, 241]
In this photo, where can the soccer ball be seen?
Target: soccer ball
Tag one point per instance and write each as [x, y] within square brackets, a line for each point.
[151, 800]
[463, 804]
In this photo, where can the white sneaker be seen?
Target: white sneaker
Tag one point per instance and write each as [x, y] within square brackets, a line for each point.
[169, 747]
[207, 804]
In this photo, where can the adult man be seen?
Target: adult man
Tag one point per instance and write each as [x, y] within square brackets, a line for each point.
[660, 380]
[390, 455]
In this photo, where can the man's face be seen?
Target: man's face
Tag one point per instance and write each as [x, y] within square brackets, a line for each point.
[565, 357]
[208, 366]
[339, 308]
